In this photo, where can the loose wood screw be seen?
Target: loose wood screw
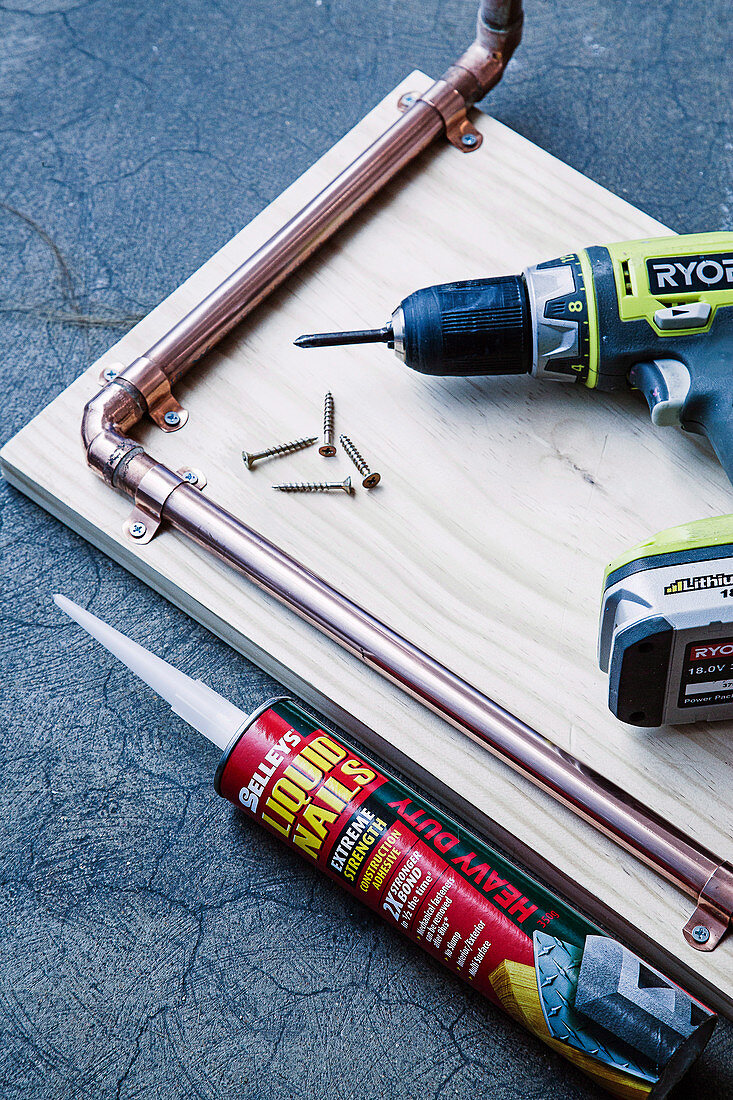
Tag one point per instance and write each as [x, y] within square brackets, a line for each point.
[250, 457]
[327, 449]
[370, 479]
[315, 486]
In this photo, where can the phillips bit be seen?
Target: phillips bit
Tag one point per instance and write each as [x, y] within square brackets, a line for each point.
[358, 336]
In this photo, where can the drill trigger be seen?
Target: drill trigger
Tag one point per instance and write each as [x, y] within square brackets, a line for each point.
[665, 384]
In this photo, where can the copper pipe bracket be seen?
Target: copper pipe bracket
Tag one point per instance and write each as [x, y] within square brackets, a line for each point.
[452, 108]
[192, 477]
[714, 913]
[155, 389]
[151, 496]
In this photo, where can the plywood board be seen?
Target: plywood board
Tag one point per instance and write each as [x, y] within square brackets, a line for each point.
[500, 504]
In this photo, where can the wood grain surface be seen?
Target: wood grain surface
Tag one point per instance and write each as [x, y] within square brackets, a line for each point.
[500, 504]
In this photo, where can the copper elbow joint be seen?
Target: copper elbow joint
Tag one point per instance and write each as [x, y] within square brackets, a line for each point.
[107, 418]
[481, 67]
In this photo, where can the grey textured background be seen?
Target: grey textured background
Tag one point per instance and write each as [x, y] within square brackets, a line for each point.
[153, 944]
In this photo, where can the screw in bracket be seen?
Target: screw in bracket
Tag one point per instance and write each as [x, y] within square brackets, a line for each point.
[327, 449]
[137, 530]
[469, 140]
[172, 418]
[315, 486]
[370, 478]
[250, 457]
[109, 374]
[190, 477]
[700, 933]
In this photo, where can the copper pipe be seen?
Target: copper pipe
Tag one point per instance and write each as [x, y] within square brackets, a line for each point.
[613, 811]
[212, 318]
[145, 380]
[124, 464]
[472, 76]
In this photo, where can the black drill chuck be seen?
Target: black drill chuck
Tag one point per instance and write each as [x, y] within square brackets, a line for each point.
[480, 326]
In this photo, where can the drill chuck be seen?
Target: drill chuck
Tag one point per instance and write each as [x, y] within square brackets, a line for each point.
[480, 326]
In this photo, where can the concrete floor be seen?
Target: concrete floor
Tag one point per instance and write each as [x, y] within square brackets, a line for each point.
[153, 944]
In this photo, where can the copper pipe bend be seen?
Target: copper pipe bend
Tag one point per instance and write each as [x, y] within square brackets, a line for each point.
[110, 416]
[107, 419]
[148, 378]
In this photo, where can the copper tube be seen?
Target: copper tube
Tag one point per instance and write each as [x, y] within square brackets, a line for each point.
[474, 74]
[124, 464]
[212, 318]
[611, 810]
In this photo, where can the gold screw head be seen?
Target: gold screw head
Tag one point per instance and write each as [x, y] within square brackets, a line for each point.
[327, 448]
[371, 477]
[250, 457]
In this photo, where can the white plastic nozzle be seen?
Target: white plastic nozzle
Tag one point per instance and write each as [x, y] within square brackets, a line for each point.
[204, 709]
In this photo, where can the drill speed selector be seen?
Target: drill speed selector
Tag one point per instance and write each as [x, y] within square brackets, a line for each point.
[561, 332]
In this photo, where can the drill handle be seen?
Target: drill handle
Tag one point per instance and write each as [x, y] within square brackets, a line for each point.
[711, 414]
[697, 396]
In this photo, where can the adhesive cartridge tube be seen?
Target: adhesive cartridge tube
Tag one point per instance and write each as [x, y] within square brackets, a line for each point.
[584, 994]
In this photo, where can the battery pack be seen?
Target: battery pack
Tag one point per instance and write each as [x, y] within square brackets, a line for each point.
[666, 628]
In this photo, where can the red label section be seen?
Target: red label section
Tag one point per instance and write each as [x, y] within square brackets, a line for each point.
[366, 830]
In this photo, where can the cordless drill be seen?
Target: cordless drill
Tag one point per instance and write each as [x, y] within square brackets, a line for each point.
[655, 315]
